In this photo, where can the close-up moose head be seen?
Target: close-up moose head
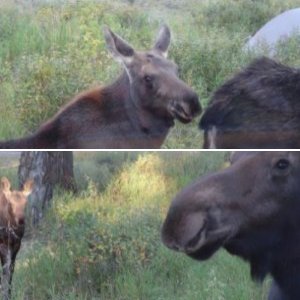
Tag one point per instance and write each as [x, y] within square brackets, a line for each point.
[252, 209]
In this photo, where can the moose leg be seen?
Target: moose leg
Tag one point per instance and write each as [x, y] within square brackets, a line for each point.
[14, 253]
[6, 260]
[275, 292]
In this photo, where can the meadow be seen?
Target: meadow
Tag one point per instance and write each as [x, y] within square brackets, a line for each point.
[51, 50]
[104, 241]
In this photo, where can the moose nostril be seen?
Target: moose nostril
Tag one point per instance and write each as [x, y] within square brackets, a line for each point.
[21, 221]
[169, 242]
[172, 246]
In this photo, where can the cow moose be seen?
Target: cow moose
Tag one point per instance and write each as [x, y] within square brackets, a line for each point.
[136, 111]
[258, 108]
[12, 227]
[252, 209]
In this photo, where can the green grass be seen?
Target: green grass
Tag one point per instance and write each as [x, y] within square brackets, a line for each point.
[9, 163]
[54, 50]
[104, 242]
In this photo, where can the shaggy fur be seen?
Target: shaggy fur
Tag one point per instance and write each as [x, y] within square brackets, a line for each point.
[258, 108]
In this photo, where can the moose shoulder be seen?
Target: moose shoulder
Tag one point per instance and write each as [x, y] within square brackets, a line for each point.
[252, 209]
[12, 227]
[258, 108]
[136, 111]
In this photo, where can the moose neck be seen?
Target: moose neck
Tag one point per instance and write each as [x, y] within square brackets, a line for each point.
[286, 266]
[142, 120]
[275, 250]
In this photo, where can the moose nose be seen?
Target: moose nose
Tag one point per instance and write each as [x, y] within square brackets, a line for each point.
[21, 221]
[168, 239]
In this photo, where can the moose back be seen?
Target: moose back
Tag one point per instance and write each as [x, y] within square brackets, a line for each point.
[257, 108]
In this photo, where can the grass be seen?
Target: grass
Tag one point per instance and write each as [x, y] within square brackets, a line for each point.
[54, 49]
[104, 242]
[9, 163]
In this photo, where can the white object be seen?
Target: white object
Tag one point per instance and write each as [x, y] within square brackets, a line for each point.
[281, 27]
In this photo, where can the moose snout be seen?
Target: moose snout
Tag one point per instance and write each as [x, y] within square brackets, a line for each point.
[168, 235]
[187, 108]
[22, 221]
[193, 104]
[169, 242]
[183, 231]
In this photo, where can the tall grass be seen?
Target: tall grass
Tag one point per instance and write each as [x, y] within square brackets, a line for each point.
[53, 50]
[104, 243]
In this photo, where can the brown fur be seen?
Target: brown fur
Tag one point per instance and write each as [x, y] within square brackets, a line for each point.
[12, 227]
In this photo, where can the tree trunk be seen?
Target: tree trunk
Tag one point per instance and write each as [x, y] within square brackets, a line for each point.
[47, 169]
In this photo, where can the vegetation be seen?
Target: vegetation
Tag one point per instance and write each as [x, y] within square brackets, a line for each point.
[55, 49]
[104, 242]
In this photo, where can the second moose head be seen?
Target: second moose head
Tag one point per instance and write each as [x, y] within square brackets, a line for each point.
[136, 111]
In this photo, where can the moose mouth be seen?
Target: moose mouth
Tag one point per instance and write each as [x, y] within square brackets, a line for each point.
[181, 113]
[206, 251]
[203, 245]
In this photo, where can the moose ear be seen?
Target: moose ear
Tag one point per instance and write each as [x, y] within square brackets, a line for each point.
[5, 185]
[119, 48]
[163, 40]
[28, 187]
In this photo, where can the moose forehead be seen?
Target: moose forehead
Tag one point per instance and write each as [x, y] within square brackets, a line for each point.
[17, 197]
[154, 61]
[260, 157]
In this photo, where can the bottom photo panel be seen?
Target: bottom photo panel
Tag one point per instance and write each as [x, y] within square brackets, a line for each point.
[150, 225]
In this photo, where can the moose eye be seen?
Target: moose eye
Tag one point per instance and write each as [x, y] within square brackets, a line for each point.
[148, 78]
[282, 164]
[149, 82]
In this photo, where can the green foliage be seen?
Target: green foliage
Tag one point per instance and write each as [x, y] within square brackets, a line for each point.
[52, 53]
[98, 168]
[9, 162]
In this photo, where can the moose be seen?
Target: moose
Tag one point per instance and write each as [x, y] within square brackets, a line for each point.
[12, 227]
[258, 108]
[252, 209]
[136, 111]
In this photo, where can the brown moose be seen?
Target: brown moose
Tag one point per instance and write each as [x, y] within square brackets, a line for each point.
[12, 226]
[258, 108]
[136, 111]
[252, 209]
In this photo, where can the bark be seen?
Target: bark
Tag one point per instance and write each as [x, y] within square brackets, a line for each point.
[48, 169]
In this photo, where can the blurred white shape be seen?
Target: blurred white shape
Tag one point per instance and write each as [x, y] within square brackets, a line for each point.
[277, 29]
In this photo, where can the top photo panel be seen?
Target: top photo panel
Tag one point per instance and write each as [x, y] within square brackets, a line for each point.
[133, 74]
